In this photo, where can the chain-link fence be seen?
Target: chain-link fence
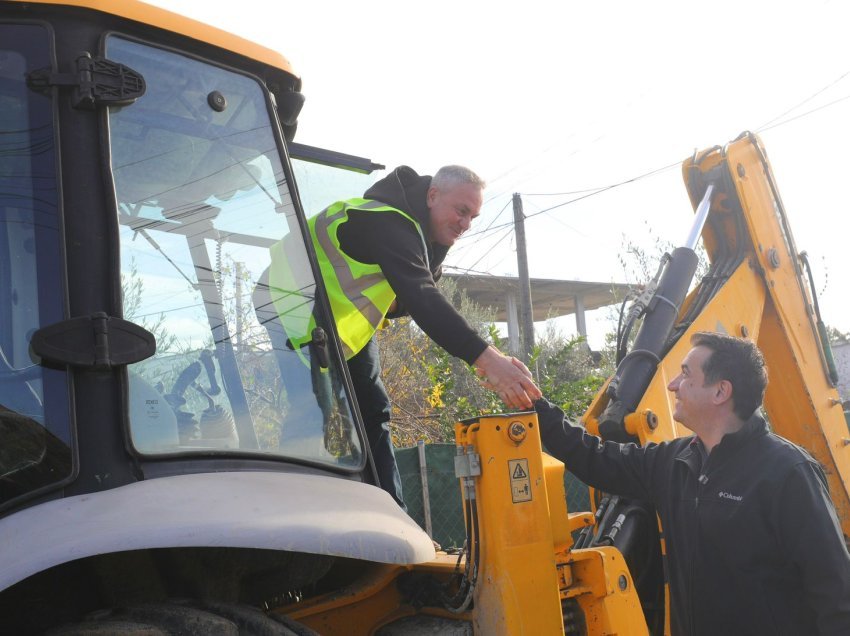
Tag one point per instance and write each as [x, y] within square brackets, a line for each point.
[446, 511]
[444, 499]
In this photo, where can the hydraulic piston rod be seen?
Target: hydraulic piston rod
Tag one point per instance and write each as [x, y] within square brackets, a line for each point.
[699, 219]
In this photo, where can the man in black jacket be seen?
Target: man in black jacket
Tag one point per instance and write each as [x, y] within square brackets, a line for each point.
[381, 256]
[753, 542]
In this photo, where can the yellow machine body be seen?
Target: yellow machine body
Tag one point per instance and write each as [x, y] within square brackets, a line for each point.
[526, 572]
[520, 572]
[767, 299]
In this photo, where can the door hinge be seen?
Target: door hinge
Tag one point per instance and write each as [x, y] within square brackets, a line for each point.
[96, 81]
[97, 341]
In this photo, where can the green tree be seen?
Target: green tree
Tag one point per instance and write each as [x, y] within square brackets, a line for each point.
[641, 262]
[568, 373]
[835, 335]
[432, 390]
[132, 294]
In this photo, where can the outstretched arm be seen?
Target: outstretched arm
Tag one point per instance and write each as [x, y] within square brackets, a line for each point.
[621, 469]
[508, 377]
[393, 243]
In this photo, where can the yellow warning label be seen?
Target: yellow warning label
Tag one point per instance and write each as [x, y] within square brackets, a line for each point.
[520, 483]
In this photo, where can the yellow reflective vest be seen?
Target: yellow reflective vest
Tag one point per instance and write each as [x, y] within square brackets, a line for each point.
[359, 293]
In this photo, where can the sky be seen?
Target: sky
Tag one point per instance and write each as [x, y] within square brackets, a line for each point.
[560, 100]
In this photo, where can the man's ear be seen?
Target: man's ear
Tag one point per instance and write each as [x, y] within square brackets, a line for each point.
[723, 392]
[430, 196]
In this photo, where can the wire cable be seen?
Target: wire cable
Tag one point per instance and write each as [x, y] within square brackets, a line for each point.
[767, 125]
[468, 270]
[588, 192]
[484, 231]
[502, 238]
[801, 115]
[580, 198]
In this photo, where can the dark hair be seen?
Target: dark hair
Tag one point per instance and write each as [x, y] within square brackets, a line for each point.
[741, 363]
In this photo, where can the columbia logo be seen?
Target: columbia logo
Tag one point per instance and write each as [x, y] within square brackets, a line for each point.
[729, 495]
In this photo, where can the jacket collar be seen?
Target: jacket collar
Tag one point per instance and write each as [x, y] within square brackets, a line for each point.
[406, 190]
[753, 427]
[692, 453]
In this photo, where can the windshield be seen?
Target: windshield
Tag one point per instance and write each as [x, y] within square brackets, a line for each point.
[213, 263]
[35, 440]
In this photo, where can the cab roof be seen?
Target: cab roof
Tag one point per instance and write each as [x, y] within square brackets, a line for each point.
[169, 21]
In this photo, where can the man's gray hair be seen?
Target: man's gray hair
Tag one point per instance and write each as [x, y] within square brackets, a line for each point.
[449, 176]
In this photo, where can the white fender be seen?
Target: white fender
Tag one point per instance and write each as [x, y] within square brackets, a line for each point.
[277, 511]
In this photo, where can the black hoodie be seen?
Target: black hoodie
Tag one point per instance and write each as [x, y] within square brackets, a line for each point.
[392, 242]
[753, 542]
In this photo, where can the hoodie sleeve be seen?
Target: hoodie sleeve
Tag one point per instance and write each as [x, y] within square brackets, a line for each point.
[621, 469]
[393, 243]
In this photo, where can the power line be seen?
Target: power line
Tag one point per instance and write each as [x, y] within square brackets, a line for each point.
[557, 220]
[766, 125]
[606, 188]
[808, 112]
[502, 238]
[560, 194]
[589, 192]
[576, 150]
[585, 196]
[495, 218]
[462, 248]
[486, 229]
[467, 270]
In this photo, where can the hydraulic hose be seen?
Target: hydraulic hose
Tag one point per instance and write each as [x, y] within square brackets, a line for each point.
[823, 336]
[461, 600]
[637, 368]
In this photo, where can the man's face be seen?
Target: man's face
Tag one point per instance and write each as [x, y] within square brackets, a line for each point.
[452, 211]
[693, 397]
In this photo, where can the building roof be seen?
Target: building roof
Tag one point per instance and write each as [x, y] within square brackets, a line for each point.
[549, 298]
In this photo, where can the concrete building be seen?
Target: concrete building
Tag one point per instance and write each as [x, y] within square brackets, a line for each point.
[549, 299]
[841, 353]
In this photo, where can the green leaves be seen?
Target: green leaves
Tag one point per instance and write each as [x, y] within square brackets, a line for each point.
[431, 390]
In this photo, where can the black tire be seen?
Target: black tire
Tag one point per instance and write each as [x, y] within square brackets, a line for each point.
[106, 628]
[254, 622]
[184, 618]
[175, 619]
[294, 626]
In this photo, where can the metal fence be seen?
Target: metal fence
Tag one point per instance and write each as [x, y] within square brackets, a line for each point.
[444, 507]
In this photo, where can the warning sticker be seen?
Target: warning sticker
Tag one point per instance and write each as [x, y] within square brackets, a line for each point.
[520, 482]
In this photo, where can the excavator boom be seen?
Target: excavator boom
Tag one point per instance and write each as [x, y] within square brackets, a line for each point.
[755, 288]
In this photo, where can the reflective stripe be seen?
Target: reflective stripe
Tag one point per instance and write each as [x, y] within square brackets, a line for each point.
[359, 292]
[353, 287]
[372, 204]
[291, 291]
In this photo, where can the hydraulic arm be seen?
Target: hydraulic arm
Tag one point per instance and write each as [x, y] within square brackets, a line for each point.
[755, 288]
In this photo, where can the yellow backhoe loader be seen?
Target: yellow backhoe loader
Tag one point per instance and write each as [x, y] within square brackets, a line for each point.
[168, 465]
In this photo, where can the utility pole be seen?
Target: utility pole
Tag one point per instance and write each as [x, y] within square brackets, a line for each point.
[526, 320]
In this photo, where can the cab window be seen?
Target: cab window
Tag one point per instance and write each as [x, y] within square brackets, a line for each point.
[214, 263]
[35, 437]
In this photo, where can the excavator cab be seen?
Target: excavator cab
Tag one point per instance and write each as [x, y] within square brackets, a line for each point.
[161, 436]
[202, 190]
[202, 196]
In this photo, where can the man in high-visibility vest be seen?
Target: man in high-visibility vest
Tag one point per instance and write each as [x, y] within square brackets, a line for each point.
[380, 257]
